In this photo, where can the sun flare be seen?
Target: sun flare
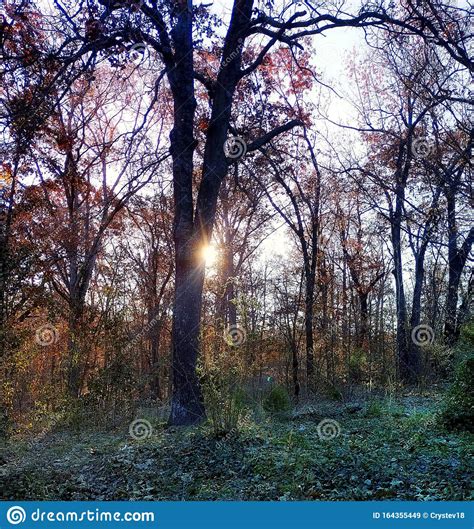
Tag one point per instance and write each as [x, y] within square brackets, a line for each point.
[209, 254]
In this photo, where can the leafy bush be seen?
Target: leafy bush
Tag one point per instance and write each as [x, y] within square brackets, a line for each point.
[382, 407]
[334, 393]
[112, 393]
[277, 401]
[357, 364]
[438, 360]
[225, 403]
[467, 334]
[458, 409]
[374, 408]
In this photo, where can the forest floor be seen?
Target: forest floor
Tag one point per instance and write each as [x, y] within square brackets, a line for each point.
[390, 450]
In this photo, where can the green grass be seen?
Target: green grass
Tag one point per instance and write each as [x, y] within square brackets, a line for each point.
[391, 451]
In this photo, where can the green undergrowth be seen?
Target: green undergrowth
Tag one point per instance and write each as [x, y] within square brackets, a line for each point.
[385, 450]
[457, 410]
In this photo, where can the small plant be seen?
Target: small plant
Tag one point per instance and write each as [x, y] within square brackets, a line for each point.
[383, 407]
[375, 408]
[277, 401]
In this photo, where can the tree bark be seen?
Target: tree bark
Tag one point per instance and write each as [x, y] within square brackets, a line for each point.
[363, 335]
[76, 312]
[415, 317]
[294, 371]
[407, 365]
[309, 316]
[187, 403]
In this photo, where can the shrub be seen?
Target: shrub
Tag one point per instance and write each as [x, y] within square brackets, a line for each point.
[458, 407]
[374, 408]
[112, 394]
[225, 403]
[357, 364]
[382, 407]
[277, 401]
[333, 393]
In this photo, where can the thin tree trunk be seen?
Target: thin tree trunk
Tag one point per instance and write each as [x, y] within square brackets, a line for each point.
[363, 335]
[154, 324]
[229, 308]
[309, 299]
[415, 317]
[404, 365]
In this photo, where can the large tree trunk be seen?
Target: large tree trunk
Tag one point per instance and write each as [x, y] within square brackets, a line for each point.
[79, 283]
[74, 368]
[193, 227]
[194, 231]
[454, 272]
[187, 403]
